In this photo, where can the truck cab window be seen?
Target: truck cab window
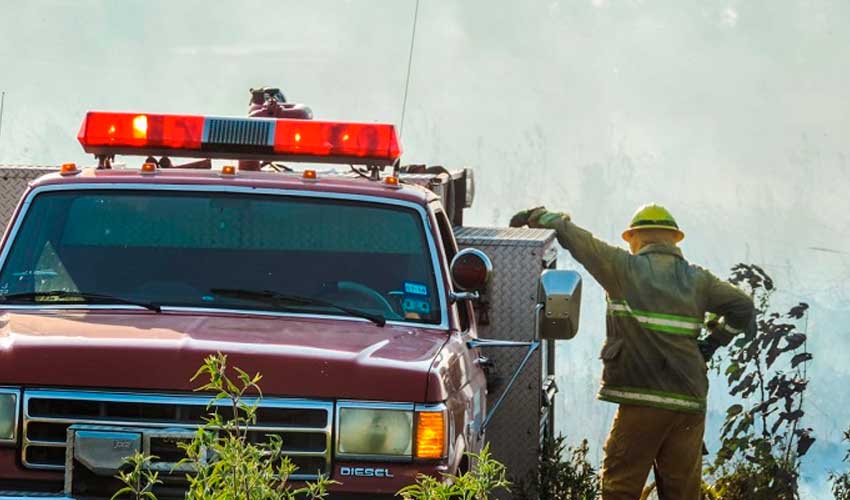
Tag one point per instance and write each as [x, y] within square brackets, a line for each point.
[177, 249]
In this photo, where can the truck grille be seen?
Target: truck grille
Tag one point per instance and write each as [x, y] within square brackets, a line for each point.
[303, 425]
[239, 131]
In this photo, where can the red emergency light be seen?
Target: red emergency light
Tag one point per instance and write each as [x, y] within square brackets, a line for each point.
[104, 133]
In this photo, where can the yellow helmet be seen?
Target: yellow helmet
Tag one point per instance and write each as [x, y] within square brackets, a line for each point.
[652, 216]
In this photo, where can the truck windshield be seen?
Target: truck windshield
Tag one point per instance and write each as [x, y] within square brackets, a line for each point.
[181, 248]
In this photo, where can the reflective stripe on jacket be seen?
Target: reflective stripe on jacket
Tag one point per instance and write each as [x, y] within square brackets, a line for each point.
[656, 307]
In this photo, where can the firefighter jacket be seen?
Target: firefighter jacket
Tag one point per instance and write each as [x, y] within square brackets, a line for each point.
[656, 308]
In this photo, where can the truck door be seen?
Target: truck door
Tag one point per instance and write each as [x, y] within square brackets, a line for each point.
[474, 394]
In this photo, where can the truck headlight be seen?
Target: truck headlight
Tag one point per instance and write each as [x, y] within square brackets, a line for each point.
[367, 430]
[9, 399]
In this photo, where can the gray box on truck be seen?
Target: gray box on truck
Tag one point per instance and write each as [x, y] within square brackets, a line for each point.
[526, 417]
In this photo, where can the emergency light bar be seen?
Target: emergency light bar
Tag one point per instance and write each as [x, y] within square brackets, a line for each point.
[108, 134]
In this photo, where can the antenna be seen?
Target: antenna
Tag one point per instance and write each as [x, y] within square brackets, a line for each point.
[409, 65]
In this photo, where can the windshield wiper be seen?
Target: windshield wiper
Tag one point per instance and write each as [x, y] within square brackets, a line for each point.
[85, 296]
[276, 298]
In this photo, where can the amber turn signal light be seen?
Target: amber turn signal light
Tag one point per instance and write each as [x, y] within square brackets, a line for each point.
[310, 175]
[68, 169]
[430, 434]
[148, 168]
[228, 170]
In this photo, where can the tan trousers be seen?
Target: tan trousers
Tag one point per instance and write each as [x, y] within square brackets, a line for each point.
[641, 437]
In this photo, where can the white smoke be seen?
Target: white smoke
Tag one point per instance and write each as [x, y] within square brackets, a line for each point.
[734, 114]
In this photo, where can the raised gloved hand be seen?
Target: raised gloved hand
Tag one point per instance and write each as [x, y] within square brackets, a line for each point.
[707, 347]
[528, 217]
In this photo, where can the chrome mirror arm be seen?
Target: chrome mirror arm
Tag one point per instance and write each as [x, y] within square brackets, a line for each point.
[455, 297]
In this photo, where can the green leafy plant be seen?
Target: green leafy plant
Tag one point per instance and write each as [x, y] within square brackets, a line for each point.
[487, 476]
[138, 480]
[225, 463]
[707, 492]
[841, 482]
[557, 477]
[763, 439]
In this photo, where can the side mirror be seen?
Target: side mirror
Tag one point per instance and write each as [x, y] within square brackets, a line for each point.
[559, 296]
[471, 270]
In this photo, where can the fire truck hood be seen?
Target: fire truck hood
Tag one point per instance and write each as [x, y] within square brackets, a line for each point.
[313, 358]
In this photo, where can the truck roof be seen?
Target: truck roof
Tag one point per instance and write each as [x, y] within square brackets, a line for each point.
[334, 182]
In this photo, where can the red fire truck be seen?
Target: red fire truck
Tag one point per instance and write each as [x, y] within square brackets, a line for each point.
[348, 290]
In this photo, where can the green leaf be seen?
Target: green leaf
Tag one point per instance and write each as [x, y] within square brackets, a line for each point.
[734, 410]
[794, 341]
[743, 385]
[800, 358]
[122, 491]
[798, 311]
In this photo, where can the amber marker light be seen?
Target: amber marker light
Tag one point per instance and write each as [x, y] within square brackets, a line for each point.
[68, 169]
[148, 168]
[430, 435]
[228, 170]
[310, 175]
[392, 181]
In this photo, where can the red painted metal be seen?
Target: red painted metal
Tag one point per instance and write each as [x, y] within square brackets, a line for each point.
[276, 109]
[317, 358]
[355, 186]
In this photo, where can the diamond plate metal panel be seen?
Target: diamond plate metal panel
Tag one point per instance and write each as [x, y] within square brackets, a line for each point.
[518, 255]
[13, 182]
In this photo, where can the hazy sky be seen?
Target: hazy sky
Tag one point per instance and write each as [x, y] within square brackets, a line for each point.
[733, 113]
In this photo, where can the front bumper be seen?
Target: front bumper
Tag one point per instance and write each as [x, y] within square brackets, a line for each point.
[352, 488]
[13, 495]
[340, 496]
[25, 475]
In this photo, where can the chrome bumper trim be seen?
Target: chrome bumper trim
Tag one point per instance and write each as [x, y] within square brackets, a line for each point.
[12, 495]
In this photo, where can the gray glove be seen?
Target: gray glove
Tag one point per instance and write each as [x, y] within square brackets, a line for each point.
[526, 217]
[707, 347]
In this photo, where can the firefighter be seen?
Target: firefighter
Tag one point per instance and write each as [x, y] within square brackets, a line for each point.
[654, 366]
